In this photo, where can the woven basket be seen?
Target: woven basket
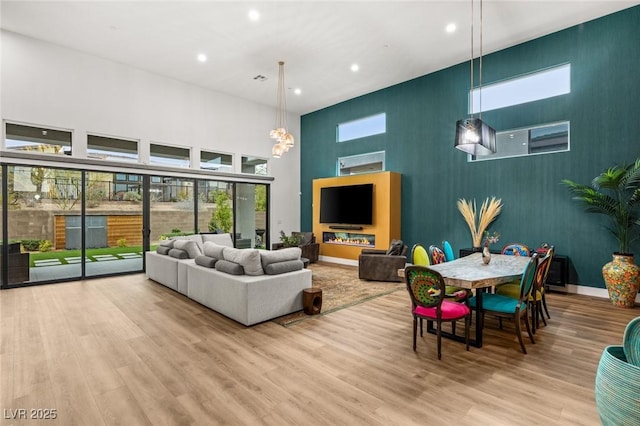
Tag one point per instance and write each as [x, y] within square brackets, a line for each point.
[617, 389]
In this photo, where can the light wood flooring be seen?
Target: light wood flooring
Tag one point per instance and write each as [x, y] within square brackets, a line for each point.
[129, 351]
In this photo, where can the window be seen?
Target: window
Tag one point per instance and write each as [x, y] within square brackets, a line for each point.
[363, 163]
[210, 160]
[169, 155]
[368, 126]
[254, 165]
[37, 139]
[543, 139]
[104, 148]
[531, 87]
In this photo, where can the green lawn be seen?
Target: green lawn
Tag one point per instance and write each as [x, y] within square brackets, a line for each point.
[61, 254]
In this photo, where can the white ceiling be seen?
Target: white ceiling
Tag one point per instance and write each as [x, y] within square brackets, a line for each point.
[392, 41]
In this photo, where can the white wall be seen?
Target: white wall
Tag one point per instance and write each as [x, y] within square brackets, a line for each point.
[52, 86]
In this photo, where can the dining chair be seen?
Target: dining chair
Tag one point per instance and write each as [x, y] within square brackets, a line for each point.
[507, 307]
[427, 291]
[419, 255]
[436, 256]
[516, 249]
[448, 251]
[536, 298]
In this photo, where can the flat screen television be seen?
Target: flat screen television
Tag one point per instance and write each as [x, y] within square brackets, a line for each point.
[350, 205]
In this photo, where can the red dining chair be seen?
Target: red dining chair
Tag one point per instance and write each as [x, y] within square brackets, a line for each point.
[427, 291]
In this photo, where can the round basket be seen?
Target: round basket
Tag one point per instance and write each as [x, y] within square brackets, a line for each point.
[617, 389]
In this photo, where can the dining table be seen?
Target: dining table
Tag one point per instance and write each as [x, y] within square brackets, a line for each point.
[470, 272]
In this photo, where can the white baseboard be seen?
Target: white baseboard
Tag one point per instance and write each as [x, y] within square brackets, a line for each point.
[338, 260]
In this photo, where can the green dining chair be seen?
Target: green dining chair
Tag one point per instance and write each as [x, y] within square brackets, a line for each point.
[507, 307]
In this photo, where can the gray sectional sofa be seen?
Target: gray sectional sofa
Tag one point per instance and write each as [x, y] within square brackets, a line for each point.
[246, 285]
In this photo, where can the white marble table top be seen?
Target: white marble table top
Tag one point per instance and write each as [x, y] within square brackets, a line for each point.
[471, 272]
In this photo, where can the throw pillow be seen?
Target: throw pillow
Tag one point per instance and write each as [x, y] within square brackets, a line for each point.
[220, 239]
[206, 261]
[189, 246]
[163, 249]
[229, 267]
[396, 248]
[268, 257]
[167, 243]
[248, 258]
[212, 249]
[283, 267]
[178, 254]
[197, 238]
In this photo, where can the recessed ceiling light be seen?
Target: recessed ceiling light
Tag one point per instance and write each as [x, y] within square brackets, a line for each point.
[297, 91]
[355, 67]
[451, 28]
[202, 57]
[254, 15]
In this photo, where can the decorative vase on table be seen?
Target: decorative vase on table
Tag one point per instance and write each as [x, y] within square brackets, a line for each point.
[622, 278]
[486, 255]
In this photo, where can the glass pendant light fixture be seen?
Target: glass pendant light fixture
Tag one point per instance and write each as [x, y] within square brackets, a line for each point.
[284, 139]
[474, 136]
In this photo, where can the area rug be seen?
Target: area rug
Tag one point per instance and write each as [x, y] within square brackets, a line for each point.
[341, 288]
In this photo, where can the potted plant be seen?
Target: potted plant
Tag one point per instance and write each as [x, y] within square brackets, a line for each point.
[615, 193]
[292, 240]
[489, 211]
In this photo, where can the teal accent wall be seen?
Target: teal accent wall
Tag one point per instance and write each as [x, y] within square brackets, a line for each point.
[603, 108]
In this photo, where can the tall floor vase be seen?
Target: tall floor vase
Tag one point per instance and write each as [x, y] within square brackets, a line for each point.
[622, 278]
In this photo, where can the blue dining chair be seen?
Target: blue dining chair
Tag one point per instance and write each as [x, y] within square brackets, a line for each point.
[507, 307]
[448, 251]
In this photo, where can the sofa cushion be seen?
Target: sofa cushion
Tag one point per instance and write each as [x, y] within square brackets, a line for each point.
[220, 239]
[190, 246]
[167, 243]
[212, 249]
[268, 257]
[396, 248]
[249, 259]
[283, 267]
[178, 254]
[197, 238]
[229, 267]
[206, 261]
[163, 249]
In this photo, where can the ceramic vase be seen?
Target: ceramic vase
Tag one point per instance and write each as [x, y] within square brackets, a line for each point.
[622, 278]
[486, 255]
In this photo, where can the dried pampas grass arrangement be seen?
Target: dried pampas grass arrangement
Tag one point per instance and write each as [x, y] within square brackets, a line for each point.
[489, 210]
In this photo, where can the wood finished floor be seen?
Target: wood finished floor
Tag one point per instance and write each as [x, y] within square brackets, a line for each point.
[129, 351]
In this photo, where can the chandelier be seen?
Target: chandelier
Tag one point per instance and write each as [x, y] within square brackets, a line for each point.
[284, 139]
[474, 136]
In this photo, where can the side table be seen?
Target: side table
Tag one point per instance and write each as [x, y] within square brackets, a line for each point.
[312, 300]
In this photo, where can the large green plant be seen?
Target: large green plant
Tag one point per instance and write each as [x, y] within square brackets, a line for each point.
[222, 216]
[614, 193]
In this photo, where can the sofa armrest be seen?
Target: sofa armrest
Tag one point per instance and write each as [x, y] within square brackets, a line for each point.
[311, 251]
[373, 251]
[378, 267]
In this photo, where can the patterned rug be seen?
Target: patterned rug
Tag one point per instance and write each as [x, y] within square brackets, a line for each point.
[341, 288]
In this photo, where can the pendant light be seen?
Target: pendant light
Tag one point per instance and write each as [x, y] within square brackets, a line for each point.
[284, 139]
[473, 135]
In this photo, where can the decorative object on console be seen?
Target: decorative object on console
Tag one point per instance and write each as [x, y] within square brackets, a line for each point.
[474, 136]
[279, 133]
[614, 193]
[306, 241]
[488, 239]
[489, 211]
